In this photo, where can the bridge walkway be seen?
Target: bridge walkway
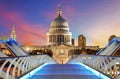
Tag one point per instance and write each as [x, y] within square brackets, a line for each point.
[65, 71]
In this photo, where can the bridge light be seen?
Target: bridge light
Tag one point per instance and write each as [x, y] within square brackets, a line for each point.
[27, 49]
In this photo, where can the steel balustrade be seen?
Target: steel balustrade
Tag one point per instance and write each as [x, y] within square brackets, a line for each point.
[111, 48]
[11, 68]
[109, 65]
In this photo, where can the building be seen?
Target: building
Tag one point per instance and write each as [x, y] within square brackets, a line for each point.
[13, 34]
[59, 31]
[111, 37]
[3, 38]
[60, 42]
[73, 42]
[81, 41]
[59, 38]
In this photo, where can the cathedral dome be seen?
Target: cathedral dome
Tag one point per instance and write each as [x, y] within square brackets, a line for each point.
[59, 22]
[59, 31]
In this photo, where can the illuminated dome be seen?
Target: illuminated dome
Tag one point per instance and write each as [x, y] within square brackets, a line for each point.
[59, 22]
[59, 31]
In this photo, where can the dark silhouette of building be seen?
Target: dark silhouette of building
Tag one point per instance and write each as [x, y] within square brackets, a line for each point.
[73, 42]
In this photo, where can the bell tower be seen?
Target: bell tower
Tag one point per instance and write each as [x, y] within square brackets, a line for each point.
[13, 33]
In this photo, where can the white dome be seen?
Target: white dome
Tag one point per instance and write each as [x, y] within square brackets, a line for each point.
[59, 22]
[59, 31]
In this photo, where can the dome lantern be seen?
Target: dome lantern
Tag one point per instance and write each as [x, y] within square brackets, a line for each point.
[59, 13]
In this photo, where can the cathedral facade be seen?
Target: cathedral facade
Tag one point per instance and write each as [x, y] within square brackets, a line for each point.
[59, 38]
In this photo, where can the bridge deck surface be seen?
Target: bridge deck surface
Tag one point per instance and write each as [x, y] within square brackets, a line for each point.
[64, 71]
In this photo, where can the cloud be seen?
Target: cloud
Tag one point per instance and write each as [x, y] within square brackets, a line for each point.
[97, 22]
[26, 33]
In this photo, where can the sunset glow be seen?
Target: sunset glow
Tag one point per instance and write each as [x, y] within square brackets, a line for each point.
[95, 19]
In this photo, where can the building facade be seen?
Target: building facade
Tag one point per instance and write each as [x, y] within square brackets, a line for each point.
[59, 38]
[81, 41]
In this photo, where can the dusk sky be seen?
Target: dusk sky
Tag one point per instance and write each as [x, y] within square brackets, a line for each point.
[95, 19]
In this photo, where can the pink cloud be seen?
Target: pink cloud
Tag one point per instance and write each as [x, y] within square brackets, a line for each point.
[27, 33]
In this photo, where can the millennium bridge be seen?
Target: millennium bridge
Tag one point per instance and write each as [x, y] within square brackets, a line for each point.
[23, 66]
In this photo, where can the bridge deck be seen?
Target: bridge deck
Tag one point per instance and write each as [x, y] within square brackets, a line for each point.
[64, 71]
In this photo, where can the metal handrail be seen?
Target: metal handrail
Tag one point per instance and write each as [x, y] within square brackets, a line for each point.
[109, 65]
[13, 67]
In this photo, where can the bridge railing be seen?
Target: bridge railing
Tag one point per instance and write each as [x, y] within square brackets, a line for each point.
[12, 68]
[108, 65]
